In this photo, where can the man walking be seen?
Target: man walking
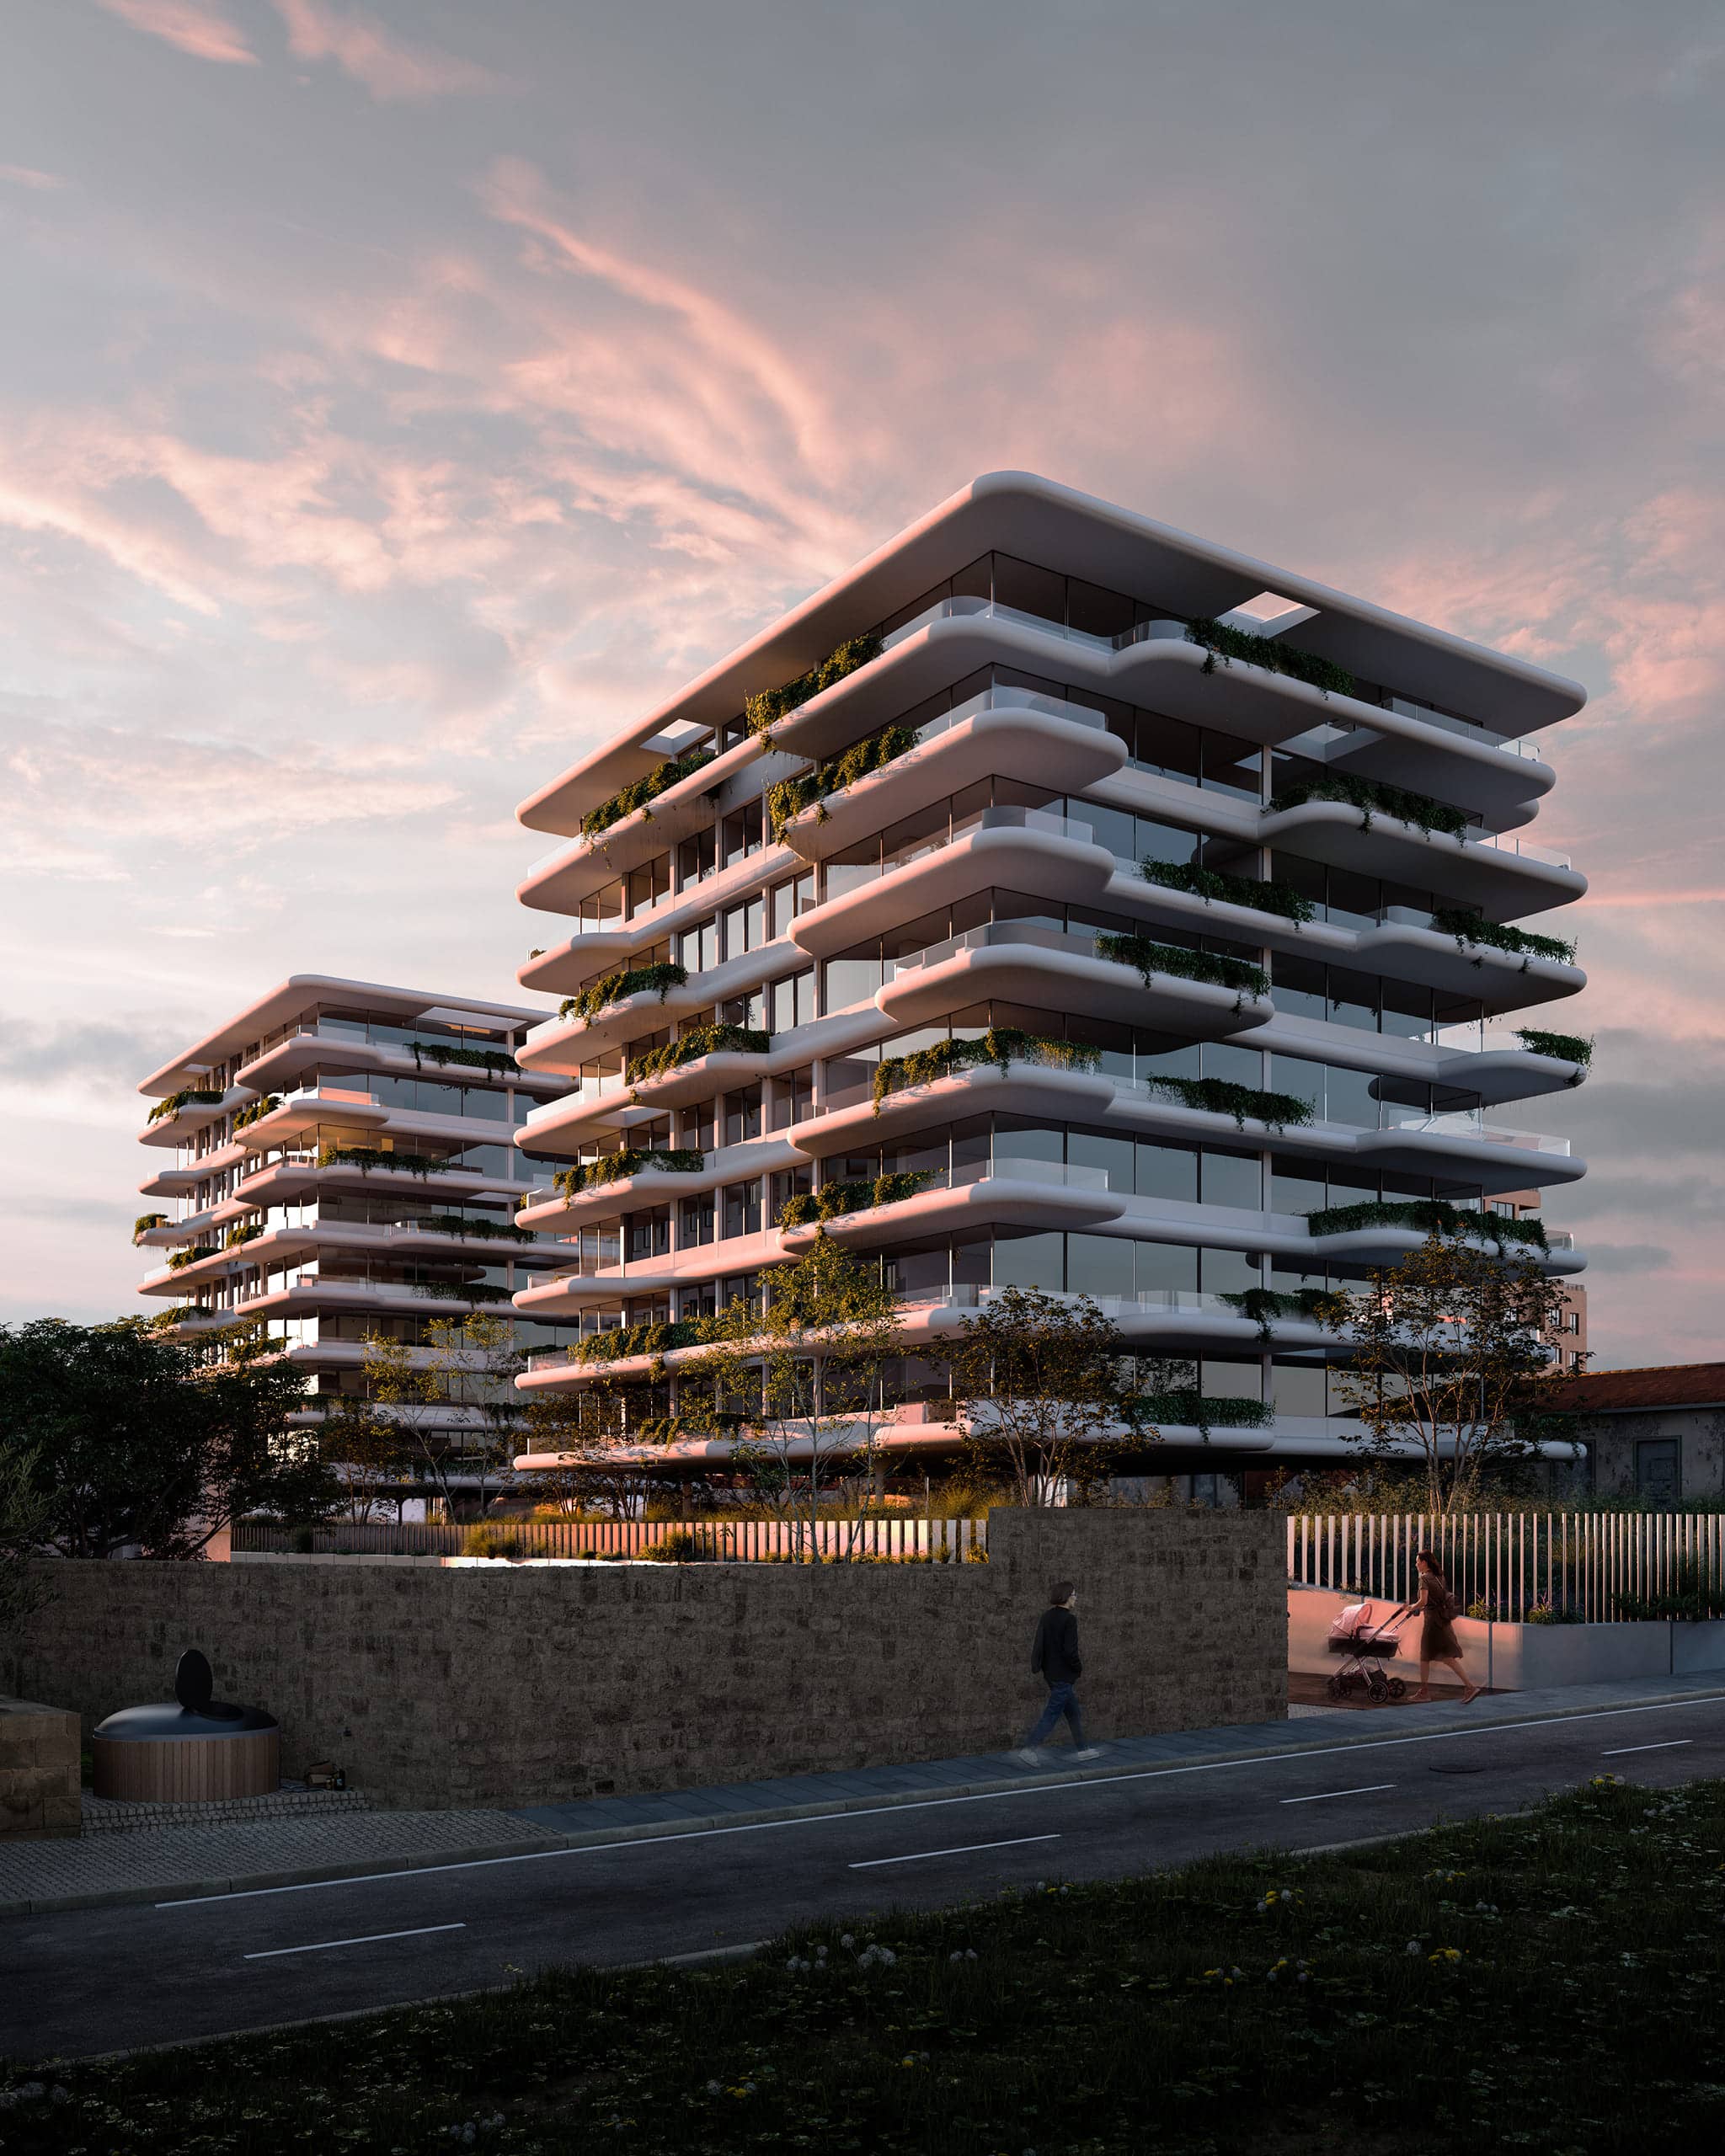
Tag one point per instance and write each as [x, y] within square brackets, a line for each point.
[1054, 1657]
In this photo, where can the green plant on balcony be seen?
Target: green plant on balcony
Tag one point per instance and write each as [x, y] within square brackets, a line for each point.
[1212, 884]
[612, 988]
[179, 1259]
[1308, 1305]
[464, 1291]
[639, 792]
[365, 1158]
[1519, 942]
[496, 1060]
[245, 1232]
[1222, 1097]
[1149, 958]
[1564, 1048]
[630, 1160]
[623, 1342]
[1371, 796]
[458, 1224]
[146, 1221]
[188, 1096]
[691, 1046]
[834, 1199]
[999, 1046]
[767, 707]
[1226, 643]
[1189, 1409]
[256, 1112]
[1431, 1217]
[789, 797]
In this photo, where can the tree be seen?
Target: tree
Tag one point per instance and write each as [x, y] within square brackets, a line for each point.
[453, 1398]
[131, 1442]
[596, 1432]
[806, 1370]
[26, 1523]
[1043, 1385]
[368, 1452]
[1449, 1360]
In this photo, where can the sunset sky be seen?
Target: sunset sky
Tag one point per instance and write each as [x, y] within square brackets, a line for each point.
[394, 398]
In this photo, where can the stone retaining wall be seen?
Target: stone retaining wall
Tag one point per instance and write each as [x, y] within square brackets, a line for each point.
[500, 1686]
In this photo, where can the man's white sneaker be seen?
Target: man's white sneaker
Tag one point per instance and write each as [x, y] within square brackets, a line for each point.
[1029, 1757]
[1090, 1752]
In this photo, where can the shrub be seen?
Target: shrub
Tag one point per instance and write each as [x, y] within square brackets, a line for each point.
[1370, 797]
[789, 797]
[188, 1096]
[833, 1199]
[1150, 957]
[767, 707]
[1431, 1216]
[1696, 1592]
[1520, 942]
[303, 1542]
[256, 1112]
[1226, 643]
[691, 1047]
[485, 1540]
[999, 1045]
[1200, 1410]
[639, 792]
[456, 1223]
[479, 1058]
[181, 1258]
[612, 988]
[680, 1547]
[1222, 1097]
[1565, 1047]
[631, 1161]
[145, 1221]
[365, 1158]
[1231, 890]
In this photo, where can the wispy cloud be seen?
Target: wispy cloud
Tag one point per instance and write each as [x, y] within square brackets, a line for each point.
[388, 66]
[201, 28]
[27, 176]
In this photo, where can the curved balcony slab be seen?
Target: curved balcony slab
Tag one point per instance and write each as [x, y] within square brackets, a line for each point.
[1509, 1073]
[564, 968]
[276, 1182]
[1048, 977]
[1002, 741]
[651, 1187]
[1445, 1144]
[1025, 850]
[1502, 883]
[1020, 1088]
[1020, 1194]
[196, 1116]
[344, 1106]
[564, 1044]
[699, 1080]
[173, 1182]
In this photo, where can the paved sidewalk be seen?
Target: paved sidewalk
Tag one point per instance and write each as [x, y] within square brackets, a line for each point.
[192, 1861]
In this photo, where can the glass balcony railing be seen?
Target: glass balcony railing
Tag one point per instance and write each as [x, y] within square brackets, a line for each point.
[1009, 699]
[1506, 842]
[948, 610]
[844, 877]
[1470, 1124]
[1081, 942]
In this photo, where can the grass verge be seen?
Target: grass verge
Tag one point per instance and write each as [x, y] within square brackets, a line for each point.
[1549, 1982]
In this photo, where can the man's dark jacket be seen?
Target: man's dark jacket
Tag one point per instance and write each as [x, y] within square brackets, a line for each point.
[1055, 1653]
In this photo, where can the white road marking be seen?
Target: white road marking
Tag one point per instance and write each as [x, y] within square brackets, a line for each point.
[371, 1939]
[1670, 1744]
[404, 1872]
[1323, 1796]
[970, 1849]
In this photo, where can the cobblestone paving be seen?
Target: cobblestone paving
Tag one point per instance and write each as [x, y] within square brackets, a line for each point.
[104, 1816]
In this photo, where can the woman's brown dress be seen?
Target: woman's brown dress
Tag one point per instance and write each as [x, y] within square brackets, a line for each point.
[1437, 1635]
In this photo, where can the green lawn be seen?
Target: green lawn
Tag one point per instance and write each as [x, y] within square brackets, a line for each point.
[1550, 1982]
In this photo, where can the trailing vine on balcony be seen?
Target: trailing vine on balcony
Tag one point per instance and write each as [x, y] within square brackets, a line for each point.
[179, 1259]
[246, 1231]
[1222, 1097]
[612, 988]
[365, 1158]
[1519, 942]
[496, 1060]
[188, 1096]
[1229, 890]
[464, 1291]
[789, 797]
[1150, 958]
[146, 1221]
[622, 1343]
[1565, 1048]
[763, 710]
[1264, 1305]
[458, 1224]
[256, 1112]
[834, 1199]
[1370, 797]
[1223, 642]
[631, 1161]
[639, 792]
[1199, 1411]
[999, 1046]
[1431, 1216]
[690, 1047]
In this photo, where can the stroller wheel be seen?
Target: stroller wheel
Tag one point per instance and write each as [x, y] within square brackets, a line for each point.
[1337, 1688]
[1398, 1688]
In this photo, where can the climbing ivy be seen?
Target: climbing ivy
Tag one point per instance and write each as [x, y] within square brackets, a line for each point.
[639, 792]
[1231, 890]
[767, 707]
[1225, 643]
[999, 1045]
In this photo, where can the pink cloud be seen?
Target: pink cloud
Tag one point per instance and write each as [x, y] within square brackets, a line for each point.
[386, 66]
[25, 176]
[199, 27]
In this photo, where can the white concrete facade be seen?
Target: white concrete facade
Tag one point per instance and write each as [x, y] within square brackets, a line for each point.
[1227, 890]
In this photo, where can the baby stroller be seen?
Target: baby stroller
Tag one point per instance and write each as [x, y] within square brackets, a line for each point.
[1368, 1645]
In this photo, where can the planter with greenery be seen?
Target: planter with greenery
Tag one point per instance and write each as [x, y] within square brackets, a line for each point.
[999, 1046]
[1564, 1047]
[458, 1224]
[256, 1112]
[691, 1046]
[496, 1060]
[789, 797]
[1226, 643]
[639, 792]
[1372, 798]
[763, 710]
[1306, 1305]
[146, 1221]
[188, 1096]
[834, 1199]
[1149, 958]
[1198, 1410]
[611, 988]
[179, 1259]
[464, 1291]
[246, 1232]
[1519, 942]
[1431, 1217]
[1222, 1097]
[365, 1158]
[623, 1342]
[1697, 1593]
[631, 1161]
[1252, 891]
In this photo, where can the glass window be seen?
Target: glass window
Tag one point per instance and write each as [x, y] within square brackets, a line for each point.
[1170, 748]
[1234, 1179]
[1090, 1149]
[848, 981]
[1231, 765]
[1297, 987]
[695, 1221]
[742, 1115]
[1031, 589]
[1097, 611]
[696, 857]
[1029, 1261]
[1157, 841]
[742, 1209]
[1166, 1172]
[1228, 1272]
[1099, 1265]
[1164, 1269]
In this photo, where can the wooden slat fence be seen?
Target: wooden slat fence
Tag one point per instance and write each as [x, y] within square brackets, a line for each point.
[883, 1537]
[1575, 1563]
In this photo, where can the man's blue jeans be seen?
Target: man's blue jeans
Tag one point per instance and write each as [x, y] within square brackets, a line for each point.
[1062, 1700]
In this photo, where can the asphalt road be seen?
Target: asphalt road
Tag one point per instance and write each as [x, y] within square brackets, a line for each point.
[89, 1982]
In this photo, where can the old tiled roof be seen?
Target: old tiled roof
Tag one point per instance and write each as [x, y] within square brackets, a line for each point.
[1622, 1392]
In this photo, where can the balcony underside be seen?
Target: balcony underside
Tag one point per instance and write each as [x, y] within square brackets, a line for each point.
[1019, 1089]
[196, 1116]
[1502, 885]
[1066, 981]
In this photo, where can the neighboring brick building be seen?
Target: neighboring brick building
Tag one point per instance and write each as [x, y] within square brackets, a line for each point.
[1571, 1339]
[1658, 1433]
